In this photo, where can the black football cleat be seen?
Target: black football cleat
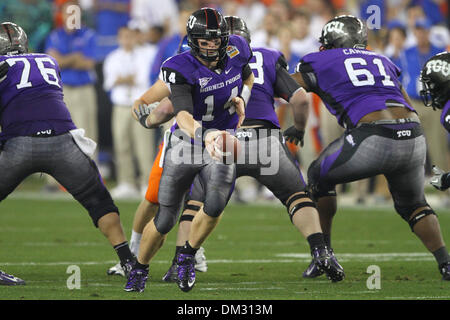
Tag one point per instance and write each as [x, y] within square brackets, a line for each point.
[327, 262]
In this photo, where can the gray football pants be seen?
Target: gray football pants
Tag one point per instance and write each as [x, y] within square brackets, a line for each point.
[266, 158]
[396, 151]
[182, 163]
[60, 157]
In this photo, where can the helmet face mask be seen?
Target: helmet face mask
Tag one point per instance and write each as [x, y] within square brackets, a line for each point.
[207, 24]
[13, 39]
[344, 32]
[435, 80]
[425, 93]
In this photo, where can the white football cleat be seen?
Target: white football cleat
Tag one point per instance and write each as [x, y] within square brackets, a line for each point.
[116, 270]
[200, 260]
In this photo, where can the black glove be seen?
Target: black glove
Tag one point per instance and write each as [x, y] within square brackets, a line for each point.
[4, 67]
[295, 136]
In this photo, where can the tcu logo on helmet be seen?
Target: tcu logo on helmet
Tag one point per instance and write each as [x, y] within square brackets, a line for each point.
[333, 26]
[438, 66]
[191, 21]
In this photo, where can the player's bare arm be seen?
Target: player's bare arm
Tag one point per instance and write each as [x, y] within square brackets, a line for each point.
[154, 106]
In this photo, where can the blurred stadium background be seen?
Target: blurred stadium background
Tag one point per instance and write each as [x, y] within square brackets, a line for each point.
[407, 31]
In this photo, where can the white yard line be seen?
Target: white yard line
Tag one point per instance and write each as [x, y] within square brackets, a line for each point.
[283, 258]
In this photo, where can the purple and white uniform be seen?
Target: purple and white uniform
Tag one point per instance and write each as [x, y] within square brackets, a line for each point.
[38, 134]
[207, 97]
[353, 83]
[31, 99]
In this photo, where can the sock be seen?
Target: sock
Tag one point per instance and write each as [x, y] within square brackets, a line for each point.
[316, 240]
[441, 255]
[327, 238]
[139, 265]
[124, 252]
[135, 241]
[187, 249]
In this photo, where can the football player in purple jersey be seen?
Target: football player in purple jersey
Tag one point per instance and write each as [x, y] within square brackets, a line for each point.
[38, 135]
[383, 133]
[210, 86]
[435, 93]
[261, 128]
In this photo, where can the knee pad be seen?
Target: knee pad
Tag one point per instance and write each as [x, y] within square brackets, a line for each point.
[214, 210]
[97, 201]
[214, 206]
[165, 218]
[298, 201]
[406, 212]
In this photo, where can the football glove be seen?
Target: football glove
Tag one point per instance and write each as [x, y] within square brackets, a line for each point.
[295, 136]
[4, 67]
[144, 111]
[439, 179]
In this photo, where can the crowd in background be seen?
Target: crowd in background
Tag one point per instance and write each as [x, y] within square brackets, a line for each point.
[116, 53]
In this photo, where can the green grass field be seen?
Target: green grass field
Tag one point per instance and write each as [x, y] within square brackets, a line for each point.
[254, 254]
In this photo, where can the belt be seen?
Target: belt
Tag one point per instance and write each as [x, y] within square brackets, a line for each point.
[391, 121]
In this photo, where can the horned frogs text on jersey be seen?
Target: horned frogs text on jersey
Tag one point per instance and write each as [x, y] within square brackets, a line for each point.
[211, 90]
[31, 97]
[352, 82]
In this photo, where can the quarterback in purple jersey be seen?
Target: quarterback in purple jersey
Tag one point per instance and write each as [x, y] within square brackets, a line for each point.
[383, 133]
[261, 128]
[210, 87]
[38, 135]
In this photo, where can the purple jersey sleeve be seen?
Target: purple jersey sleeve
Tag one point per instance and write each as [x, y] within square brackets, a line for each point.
[352, 82]
[445, 116]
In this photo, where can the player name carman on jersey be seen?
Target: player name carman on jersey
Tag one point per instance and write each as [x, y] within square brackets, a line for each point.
[356, 51]
[221, 84]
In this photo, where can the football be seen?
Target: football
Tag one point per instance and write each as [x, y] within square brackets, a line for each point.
[227, 147]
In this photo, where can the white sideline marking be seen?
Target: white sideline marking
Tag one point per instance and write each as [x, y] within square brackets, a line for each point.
[392, 256]
[294, 258]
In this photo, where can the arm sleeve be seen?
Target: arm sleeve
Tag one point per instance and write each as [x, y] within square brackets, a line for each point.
[308, 75]
[181, 98]
[246, 72]
[284, 86]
